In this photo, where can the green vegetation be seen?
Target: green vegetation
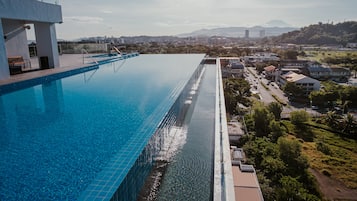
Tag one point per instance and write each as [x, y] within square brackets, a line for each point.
[333, 156]
[346, 59]
[322, 34]
[335, 95]
[283, 150]
[293, 90]
[281, 166]
[279, 100]
[236, 90]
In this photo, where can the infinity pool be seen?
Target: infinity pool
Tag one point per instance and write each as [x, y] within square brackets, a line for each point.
[79, 136]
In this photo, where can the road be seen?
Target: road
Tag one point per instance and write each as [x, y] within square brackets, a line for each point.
[266, 95]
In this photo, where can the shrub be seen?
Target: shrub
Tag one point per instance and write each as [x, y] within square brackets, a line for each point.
[326, 172]
[320, 146]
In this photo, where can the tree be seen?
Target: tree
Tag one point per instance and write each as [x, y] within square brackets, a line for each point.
[236, 91]
[276, 131]
[291, 189]
[290, 153]
[330, 119]
[290, 54]
[292, 89]
[349, 124]
[299, 117]
[262, 118]
[276, 109]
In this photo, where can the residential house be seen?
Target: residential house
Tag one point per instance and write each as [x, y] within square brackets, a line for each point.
[270, 72]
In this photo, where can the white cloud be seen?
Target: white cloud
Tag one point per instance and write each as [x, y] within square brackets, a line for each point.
[107, 11]
[84, 19]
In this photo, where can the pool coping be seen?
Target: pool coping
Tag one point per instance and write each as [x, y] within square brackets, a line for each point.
[223, 188]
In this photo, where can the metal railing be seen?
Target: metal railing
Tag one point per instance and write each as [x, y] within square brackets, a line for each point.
[85, 52]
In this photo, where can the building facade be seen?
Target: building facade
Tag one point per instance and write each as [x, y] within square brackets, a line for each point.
[15, 17]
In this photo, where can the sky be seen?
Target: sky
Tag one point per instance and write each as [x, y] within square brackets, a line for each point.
[87, 18]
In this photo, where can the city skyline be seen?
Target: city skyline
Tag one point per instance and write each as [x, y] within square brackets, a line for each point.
[161, 17]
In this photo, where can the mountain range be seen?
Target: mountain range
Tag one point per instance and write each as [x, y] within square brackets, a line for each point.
[254, 32]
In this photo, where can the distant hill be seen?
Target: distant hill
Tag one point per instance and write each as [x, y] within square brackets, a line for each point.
[322, 34]
[254, 32]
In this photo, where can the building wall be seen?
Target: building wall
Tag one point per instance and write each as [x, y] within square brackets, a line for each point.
[4, 69]
[17, 13]
[16, 45]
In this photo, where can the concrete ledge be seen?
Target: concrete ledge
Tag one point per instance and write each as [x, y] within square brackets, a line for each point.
[223, 176]
[30, 10]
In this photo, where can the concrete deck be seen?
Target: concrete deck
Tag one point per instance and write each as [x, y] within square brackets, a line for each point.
[67, 62]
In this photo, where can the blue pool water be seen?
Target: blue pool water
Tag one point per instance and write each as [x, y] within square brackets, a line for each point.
[78, 137]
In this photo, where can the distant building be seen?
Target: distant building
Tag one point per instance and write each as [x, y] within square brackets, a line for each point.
[261, 57]
[339, 74]
[351, 45]
[321, 72]
[262, 33]
[246, 34]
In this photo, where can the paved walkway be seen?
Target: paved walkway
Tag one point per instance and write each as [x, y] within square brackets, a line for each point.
[67, 62]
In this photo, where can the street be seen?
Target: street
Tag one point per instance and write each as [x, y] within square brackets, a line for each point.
[266, 95]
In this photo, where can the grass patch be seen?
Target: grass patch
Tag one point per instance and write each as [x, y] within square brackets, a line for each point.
[340, 159]
[319, 55]
[265, 86]
[278, 99]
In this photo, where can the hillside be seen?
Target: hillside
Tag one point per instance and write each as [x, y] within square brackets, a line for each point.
[322, 34]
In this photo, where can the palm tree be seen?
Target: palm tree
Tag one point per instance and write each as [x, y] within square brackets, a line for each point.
[349, 124]
[331, 119]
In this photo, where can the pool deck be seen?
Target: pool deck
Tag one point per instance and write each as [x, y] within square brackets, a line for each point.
[67, 62]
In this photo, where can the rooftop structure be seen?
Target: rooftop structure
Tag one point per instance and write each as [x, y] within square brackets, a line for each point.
[15, 17]
[246, 185]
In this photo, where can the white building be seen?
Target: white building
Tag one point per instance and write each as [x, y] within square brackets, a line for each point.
[15, 17]
[308, 84]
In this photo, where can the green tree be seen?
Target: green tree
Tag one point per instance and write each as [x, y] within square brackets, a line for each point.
[236, 91]
[349, 124]
[291, 189]
[276, 109]
[300, 120]
[331, 118]
[262, 118]
[291, 89]
[290, 153]
[299, 117]
[290, 54]
[276, 131]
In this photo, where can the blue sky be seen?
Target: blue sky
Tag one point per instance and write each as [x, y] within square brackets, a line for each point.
[85, 18]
